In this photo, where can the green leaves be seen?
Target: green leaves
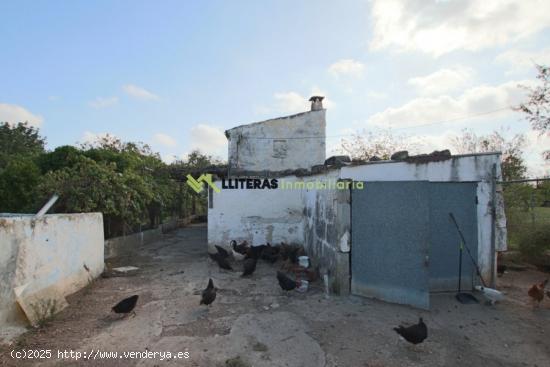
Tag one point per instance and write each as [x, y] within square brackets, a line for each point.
[127, 182]
[18, 181]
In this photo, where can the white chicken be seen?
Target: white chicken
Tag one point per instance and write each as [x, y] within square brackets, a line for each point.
[491, 294]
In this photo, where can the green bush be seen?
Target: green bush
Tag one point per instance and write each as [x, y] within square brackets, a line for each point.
[18, 182]
[534, 241]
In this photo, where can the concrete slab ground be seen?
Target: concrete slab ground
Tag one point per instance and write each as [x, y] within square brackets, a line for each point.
[251, 323]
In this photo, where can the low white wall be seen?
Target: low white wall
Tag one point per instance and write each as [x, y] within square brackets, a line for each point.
[255, 215]
[60, 253]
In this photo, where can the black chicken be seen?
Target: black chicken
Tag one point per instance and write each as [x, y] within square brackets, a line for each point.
[270, 253]
[501, 269]
[221, 251]
[241, 249]
[249, 266]
[291, 252]
[126, 305]
[222, 261]
[270, 257]
[209, 294]
[254, 252]
[414, 334]
[285, 282]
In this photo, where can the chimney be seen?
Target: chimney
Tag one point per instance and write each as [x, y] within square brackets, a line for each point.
[316, 103]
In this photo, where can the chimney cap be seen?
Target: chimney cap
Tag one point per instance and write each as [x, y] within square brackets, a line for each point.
[316, 98]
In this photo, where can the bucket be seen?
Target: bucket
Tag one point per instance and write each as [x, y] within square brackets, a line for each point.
[304, 284]
[303, 261]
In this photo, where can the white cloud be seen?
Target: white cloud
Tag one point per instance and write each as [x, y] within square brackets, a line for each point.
[101, 102]
[290, 102]
[294, 102]
[208, 139]
[439, 27]
[519, 60]
[476, 100]
[138, 92]
[165, 140]
[442, 81]
[347, 68]
[13, 114]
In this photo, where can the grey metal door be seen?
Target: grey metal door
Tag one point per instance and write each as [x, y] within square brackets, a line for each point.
[460, 199]
[390, 242]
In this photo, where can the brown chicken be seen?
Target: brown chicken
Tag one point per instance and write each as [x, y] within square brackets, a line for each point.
[536, 292]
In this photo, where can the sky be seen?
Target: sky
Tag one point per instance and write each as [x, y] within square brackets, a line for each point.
[176, 74]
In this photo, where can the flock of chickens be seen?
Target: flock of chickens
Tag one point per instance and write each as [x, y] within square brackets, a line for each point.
[250, 255]
[414, 334]
[289, 254]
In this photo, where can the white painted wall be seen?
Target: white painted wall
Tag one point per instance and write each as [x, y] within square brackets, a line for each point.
[257, 216]
[245, 152]
[276, 215]
[47, 254]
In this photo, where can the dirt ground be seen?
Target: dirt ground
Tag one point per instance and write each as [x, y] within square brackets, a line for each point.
[252, 323]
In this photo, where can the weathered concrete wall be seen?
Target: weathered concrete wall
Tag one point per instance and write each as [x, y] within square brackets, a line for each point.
[255, 215]
[320, 219]
[327, 236]
[247, 152]
[125, 245]
[59, 253]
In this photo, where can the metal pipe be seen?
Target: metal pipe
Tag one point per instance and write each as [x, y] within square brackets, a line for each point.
[46, 207]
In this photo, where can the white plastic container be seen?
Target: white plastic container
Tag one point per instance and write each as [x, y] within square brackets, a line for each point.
[303, 261]
[304, 284]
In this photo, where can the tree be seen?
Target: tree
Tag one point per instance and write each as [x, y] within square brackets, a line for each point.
[20, 145]
[537, 107]
[90, 186]
[59, 158]
[18, 182]
[383, 144]
[19, 139]
[512, 162]
[193, 163]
